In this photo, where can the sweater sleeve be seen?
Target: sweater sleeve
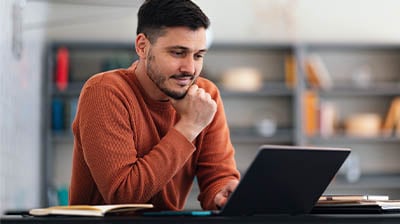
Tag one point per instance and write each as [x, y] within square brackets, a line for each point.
[109, 149]
[216, 165]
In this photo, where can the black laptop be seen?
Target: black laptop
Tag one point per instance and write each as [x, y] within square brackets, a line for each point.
[280, 180]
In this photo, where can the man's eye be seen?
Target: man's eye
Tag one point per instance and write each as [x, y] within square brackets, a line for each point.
[178, 53]
[199, 56]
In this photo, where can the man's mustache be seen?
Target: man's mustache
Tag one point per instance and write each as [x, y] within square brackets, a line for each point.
[178, 76]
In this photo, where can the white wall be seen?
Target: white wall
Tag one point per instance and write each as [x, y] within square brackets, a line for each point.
[239, 20]
[304, 20]
[20, 102]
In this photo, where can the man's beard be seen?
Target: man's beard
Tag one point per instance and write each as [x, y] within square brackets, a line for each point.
[160, 80]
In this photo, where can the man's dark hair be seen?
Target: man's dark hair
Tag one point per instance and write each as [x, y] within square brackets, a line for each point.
[156, 15]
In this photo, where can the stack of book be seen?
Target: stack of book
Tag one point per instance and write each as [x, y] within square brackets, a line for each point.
[356, 204]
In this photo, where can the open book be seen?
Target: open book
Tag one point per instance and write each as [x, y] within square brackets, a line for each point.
[88, 210]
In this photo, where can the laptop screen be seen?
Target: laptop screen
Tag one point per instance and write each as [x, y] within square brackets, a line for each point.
[285, 180]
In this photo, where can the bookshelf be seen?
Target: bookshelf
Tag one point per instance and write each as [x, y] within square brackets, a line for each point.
[365, 80]
[272, 101]
[275, 100]
[84, 60]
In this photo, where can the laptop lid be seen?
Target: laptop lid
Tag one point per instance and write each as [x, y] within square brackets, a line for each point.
[285, 180]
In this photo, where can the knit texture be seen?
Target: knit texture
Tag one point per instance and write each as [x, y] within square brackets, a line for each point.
[126, 149]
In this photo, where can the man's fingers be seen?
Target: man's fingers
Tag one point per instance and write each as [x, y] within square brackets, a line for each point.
[200, 92]
[220, 200]
[193, 89]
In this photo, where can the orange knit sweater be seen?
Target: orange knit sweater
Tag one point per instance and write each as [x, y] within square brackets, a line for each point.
[127, 151]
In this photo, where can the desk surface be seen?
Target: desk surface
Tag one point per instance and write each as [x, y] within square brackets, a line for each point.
[278, 219]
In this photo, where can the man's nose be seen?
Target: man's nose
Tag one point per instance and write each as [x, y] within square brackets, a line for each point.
[188, 65]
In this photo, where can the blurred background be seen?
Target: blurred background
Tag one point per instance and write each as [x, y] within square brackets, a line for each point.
[296, 72]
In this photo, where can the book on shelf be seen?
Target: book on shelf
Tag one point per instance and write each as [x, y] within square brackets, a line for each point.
[57, 114]
[392, 119]
[327, 118]
[311, 117]
[62, 68]
[317, 74]
[290, 71]
[89, 210]
[70, 112]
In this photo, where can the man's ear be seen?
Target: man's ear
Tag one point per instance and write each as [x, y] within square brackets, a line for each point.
[141, 45]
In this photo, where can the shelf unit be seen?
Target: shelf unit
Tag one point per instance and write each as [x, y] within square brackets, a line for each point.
[275, 100]
[379, 66]
[85, 59]
[366, 79]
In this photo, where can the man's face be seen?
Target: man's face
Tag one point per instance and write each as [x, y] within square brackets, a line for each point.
[175, 60]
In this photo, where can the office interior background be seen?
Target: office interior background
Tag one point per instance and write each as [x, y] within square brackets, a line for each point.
[357, 42]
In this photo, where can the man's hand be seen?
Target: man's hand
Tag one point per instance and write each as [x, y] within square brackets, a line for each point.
[197, 110]
[222, 197]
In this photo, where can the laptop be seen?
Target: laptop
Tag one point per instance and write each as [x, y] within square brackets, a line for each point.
[280, 180]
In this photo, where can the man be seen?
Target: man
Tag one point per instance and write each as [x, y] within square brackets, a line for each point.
[144, 133]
